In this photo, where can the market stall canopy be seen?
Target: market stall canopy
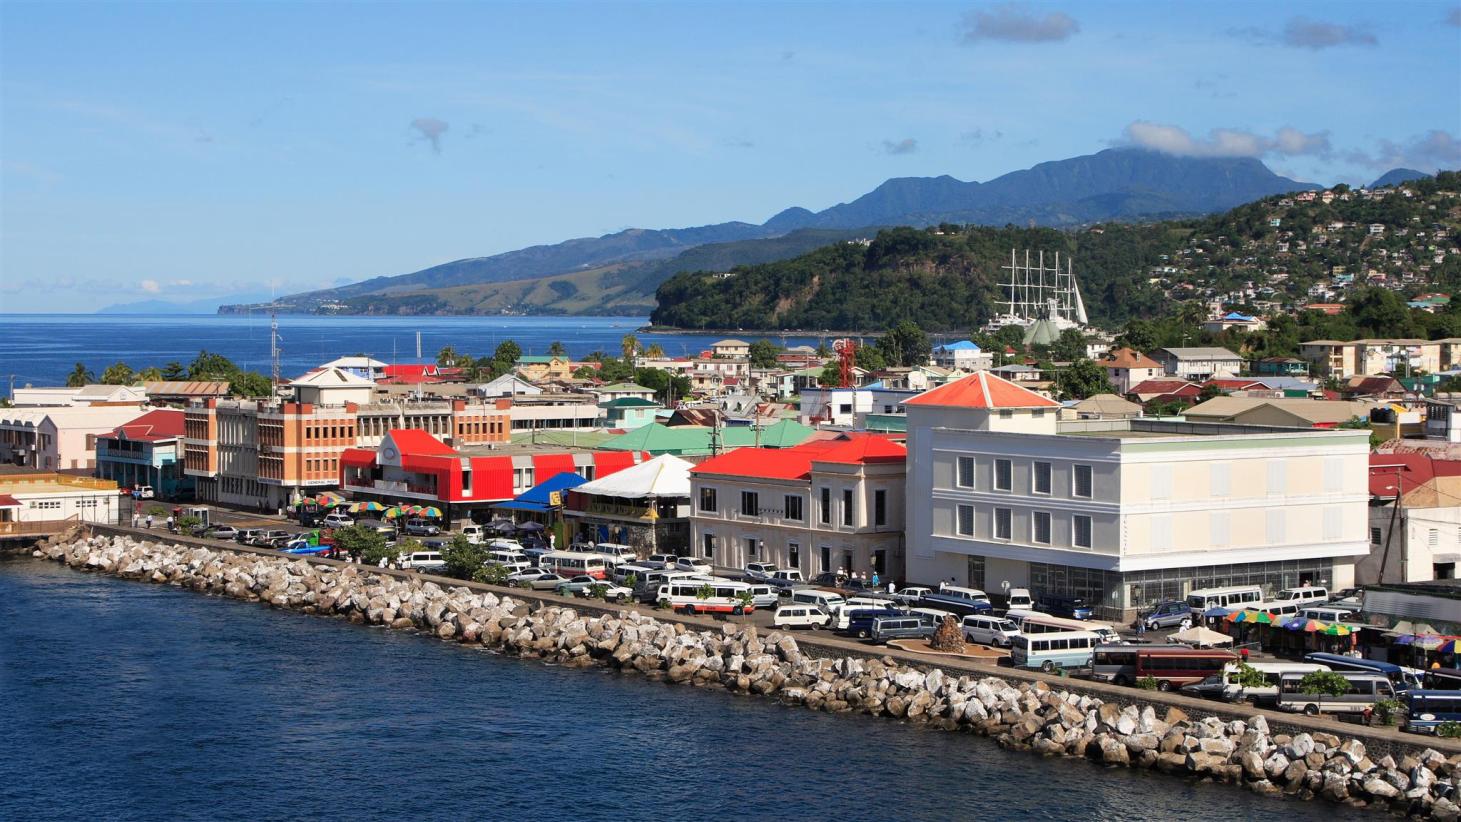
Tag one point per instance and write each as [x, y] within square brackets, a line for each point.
[1200, 637]
[664, 476]
[538, 497]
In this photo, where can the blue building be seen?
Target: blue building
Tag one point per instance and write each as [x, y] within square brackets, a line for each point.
[146, 451]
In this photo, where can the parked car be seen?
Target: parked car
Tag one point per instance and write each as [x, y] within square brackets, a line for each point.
[1065, 606]
[144, 492]
[694, 565]
[854, 587]
[1167, 614]
[989, 630]
[659, 561]
[912, 626]
[521, 579]
[1019, 599]
[859, 621]
[534, 553]
[246, 536]
[910, 595]
[475, 534]
[583, 586]
[543, 582]
[764, 595]
[424, 561]
[786, 579]
[830, 579]
[220, 532]
[800, 615]
[418, 527]
[622, 553]
[337, 519]
[758, 571]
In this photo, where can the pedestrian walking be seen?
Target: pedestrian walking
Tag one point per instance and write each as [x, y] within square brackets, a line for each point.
[136, 520]
[892, 589]
[1140, 628]
[169, 524]
[149, 522]
[875, 579]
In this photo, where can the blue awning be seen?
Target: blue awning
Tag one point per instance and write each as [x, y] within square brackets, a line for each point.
[537, 498]
[521, 505]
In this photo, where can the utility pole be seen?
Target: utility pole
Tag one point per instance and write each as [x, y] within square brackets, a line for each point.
[1394, 515]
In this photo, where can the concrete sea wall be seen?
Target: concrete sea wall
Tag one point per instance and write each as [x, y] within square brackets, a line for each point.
[1028, 716]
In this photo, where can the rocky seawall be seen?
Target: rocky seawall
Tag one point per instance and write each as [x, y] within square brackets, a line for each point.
[1024, 716]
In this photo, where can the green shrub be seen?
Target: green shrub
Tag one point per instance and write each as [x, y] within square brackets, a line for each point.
[1250, 677]
[1147, 683]
[1324, 683]
[1387, 711]
[1449, 730]
[493, 573]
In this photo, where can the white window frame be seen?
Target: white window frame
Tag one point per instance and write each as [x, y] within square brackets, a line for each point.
[1009, 479]
[959, 463]
[1090, 531]
[1009, 525]
[1034, 531]
[959, 512]
[1075, 484]
[1035, 478]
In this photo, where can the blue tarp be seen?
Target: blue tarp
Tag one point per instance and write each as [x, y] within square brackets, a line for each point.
[536, 498]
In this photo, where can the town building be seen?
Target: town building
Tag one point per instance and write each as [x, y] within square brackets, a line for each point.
[58, 438]
[1287, 411]
[146, 451]
[629, 412]
[416, 468]
[1198, 364]
[507, 385]
[1415, 520]
[556, 410]
[1127, 367]
[1234, 320]
[731, 349]
[1401, 357]
[85, 395]
[182, 393]
[541, 368]
[825, 505]
[963, 355]
[644, 506]
[619, 390]
[366, 368]
[701, 441]
[38, 503]
[1124, 513]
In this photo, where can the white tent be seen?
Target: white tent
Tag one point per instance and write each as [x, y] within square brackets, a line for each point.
[1200, 637]
[664, 476]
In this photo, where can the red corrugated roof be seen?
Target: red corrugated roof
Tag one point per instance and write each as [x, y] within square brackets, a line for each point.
[982, 390]
[796, 462]
[607, 462]
[154, 426]
[7, 501]
[1161, 387]
[1410, 471]
[550, 465]
[419, 443]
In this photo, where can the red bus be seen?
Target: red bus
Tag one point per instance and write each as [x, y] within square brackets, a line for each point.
[1175, 667]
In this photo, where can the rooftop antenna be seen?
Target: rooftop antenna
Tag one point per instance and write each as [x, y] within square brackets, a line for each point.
[274, 347]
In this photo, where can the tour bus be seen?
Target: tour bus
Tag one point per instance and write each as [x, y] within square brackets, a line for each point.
[1303, 595]
[1280, 611]
[1061, 649]
[1227, 686]
[575, 563]
[1364, 691]
[1405, 679]
[1425, 711]
[1170, 665]
[1237, 596]
[962, 601]
[686, 596]
[649, 583]
[1038, 622]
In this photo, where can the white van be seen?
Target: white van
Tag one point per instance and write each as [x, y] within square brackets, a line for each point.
[968, 594]
[1237, 596]
[424, 561]
[829, 601]
[1309, 594]
[475, 534]
[800, 615]
[619, 552]
[1364, 691]
[989, 630]
[619, 573]
[1282, 611]
[1329, 613]
[1019, 598]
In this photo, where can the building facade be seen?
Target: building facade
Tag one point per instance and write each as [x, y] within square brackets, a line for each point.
[826, 505]
[59, 438]
[1124, 513]
[146, 451]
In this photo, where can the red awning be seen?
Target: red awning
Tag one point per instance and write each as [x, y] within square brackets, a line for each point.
[7, 501]
[546, 466]
[492, 478]
[607, 462]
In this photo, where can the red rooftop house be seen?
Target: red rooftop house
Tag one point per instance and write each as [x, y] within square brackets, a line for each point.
[146, 451]
[414, 468]
[825, 505]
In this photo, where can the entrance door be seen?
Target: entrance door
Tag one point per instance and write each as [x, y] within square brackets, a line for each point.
[826, 558]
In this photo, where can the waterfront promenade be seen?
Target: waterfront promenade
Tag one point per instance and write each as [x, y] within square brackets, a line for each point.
[825, 645]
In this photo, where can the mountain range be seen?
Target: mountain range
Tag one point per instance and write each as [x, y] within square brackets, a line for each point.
[618, 273]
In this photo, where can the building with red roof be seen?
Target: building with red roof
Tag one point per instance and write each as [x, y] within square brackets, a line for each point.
[832, 504]
[1127, 367]
[412, 467]
[1419, 540]
[146, 451]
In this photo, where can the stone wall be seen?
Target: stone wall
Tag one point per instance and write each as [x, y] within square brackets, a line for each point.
[1027, 716]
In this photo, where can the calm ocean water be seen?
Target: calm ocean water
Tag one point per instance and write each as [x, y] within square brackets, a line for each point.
[41, 349]
[133, 701]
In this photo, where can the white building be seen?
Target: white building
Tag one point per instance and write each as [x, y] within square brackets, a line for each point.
[1124, 513]
[41, 502]
[964, 355]
[96, 394]
[507, 385]
[1198, 364]
[60, 437]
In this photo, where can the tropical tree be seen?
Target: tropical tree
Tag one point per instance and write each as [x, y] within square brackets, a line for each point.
[508, 352]
[80, 375]
[150, 374]
[629, 346]
[463, 558]
[118, 373]
[556, 349]
[1070, 347]
[870, 358]
[446, 356]
[250, 384]
[358, 541]
[905, 345]
[654, 351]
[1082, 379]
[763, 354]
[174, 371]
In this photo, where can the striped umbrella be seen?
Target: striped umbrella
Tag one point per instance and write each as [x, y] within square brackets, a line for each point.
[1448, 647]
[1250, 615]
[328, 500]
[431, 511]
[1335, 629]
[393, 512]
[1428, 642]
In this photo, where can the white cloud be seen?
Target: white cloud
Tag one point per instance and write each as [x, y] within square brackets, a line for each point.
[907, 145]
[1433, 151]
[1301, 32]
[1225, 142]
[1016, 23]
[150, 286]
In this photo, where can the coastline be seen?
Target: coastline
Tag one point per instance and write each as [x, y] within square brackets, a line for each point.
[1029, 716]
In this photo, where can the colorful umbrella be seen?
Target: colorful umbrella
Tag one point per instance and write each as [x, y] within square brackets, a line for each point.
[1249, 615]
[1448, 647]
[1216, 613]
[431, 511]
[1428, 642]
[328, 500]
[369, 505]
[393, 512]
[1335, 629]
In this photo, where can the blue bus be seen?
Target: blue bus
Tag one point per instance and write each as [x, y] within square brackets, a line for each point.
[1404, 679]
[1426, 710]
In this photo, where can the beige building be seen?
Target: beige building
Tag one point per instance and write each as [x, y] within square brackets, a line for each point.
[60, 437]
[1336, 358]
[1124, 513]
[833, 504]
[1286, 411]
[1420, 541]
[36, 503]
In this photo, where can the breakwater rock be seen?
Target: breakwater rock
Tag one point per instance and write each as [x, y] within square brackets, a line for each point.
[1025, 716]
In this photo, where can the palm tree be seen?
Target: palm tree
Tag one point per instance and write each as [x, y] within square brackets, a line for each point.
[80, 376]
[446, 356]
[629, 345]
[654, 351]
[556, 349]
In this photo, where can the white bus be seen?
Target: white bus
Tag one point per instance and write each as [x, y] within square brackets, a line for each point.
[689, 596]
[1060, 649]
[575, 563]
[1038, 622]
[1233, 597]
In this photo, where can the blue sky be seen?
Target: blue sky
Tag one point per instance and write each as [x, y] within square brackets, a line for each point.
[185, 150]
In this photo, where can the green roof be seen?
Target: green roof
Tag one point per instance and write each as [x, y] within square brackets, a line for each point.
[623, 387]
[629, 402]
[538, 358]
[694, 440]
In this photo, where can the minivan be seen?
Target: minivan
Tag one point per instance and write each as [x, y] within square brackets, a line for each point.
[1065, 606]
[620, 573]
[989, 630]
[1327, 613]
[613, 549]
[1020, 598]
[1303, 595]
[1226, 687]
[800, 616]
[424, 561]
[1168, 614]
[418, 527]
[858, 622]
[764, 595]
[828, 601]
[474, 533]
[1364, 691]
[902, 627]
